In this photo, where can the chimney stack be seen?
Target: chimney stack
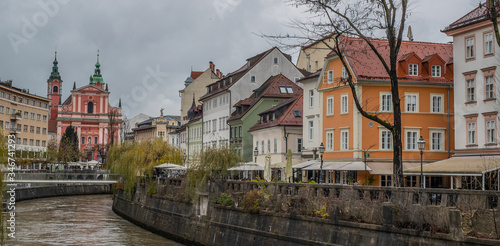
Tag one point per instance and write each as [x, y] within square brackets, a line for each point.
[219, 74]
[212, 66]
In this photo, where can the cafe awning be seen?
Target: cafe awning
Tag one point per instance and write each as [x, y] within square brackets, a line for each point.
[385, 168]
[339, 166]
[249, 166]
[459, 166]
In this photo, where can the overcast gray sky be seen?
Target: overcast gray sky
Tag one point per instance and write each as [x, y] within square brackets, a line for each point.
[147, 48]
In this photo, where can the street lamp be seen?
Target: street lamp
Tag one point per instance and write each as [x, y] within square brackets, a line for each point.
[421, 146]
[255, 153]
[321, 174]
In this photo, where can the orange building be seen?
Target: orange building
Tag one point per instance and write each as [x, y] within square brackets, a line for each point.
[425, 72]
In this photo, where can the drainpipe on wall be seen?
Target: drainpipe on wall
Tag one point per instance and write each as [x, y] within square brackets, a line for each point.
[449, 127]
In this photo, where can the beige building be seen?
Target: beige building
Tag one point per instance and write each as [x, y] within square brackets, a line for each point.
[156, 128]
[312, 57]
[195, 87]
[24, 115]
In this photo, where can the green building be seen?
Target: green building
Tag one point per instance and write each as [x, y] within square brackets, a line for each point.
[276, 89]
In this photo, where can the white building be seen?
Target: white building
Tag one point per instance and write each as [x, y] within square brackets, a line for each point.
[311, 130]
[223, 94]
[476, 57]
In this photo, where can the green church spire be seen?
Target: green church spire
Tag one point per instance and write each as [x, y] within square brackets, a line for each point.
[55, 70]
[97, 77]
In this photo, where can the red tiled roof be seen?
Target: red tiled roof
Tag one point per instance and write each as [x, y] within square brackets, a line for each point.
[236, 75]
[366, 65]
[270, 88]
[286, 118]
[478, 14]
[195, 74]
[68, 101]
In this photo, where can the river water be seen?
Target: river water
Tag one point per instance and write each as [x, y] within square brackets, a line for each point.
[77, 220]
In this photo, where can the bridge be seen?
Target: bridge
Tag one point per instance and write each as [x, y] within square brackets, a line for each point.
[65, 177]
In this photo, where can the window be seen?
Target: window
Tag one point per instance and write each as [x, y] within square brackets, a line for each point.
[7, 110]
[44, 106]
[214, 125]
[275, 145]
[344, 139]
[311, 98]
[436, 71]
[344, 73]
[344, 104]
[31, 142]
[385, 180]
[38, 116]
[489, 87]
[26, 101]
[32, 102]
[18, 141]
[385, 140]
[471, 96]
[256, 145]
[469, 48]
[296, 113]
[55, 89]
[45, 118]
[289, 89]
[385, 102]
[32, 129]
[329, 106]
[83, 140]
[437, 140]
[437, 103]
[2, 94]
[252, 78]
[311, 130]
[488, 43]
[39, 104]
[330, 77]
[37, 142]
[299, 145]
[471, 133]
[25, 141]
[25, 128]
[1, 109]
[44, 143]
[90, 108]
[329, 140]
[95, 140]
[32, 116]
[413, 69]
[37, 130]
[268, 145]
[282, 89]
[44, 131]
[26, 114]
[411, 103]
[411, 140]
[8, 96]
[275, 60]
[239, 131]
[490, 132]
[262, 147]
[215, 103]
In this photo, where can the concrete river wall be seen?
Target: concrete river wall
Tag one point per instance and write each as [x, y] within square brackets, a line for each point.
[28, 193]
[206, 223]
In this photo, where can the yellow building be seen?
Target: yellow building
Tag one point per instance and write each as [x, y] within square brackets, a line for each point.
[312, 57]
[156, 128]
[24, 115]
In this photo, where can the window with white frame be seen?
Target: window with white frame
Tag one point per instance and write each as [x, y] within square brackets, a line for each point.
[385, 102]
[257, 145]
[411, 103]
[385, 139]
[488, 43]
[436, 71]
[469, 48]
[329, 106]
[344, 139]
[411, 139]
[413, 69]
[299, 145]
[344, 106]
[214, 125]
[490, 132]
[330, 77]
[329, 140]
[311, 98]
[262, 147]
[275, 145]
[385, 180]
[437, 103]
[311, 130]
[471, 133]
[344, 73]
[268, 145]
[437, 138]
[471, 94]
[489, 87]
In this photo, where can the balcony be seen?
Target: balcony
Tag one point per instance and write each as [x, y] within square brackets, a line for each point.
[15, 131]
[15, 117]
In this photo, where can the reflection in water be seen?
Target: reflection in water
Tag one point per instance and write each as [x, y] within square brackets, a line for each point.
[77, 220]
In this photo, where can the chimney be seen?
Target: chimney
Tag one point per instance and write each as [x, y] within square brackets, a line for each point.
[212, 66]
[219, 74]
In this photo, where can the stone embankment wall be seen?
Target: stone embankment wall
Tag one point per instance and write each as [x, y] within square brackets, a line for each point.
[61, 190]
[165, 214]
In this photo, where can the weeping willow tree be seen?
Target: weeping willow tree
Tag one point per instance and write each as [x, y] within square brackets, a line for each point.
[213, 165]
[130, 160]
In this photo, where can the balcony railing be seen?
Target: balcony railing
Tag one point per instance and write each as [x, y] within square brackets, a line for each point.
[15, 131]
[15, 117]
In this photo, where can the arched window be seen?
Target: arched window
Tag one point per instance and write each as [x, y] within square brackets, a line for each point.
[55, 89]
[90, 108]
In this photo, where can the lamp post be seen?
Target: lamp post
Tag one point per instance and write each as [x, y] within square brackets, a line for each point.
[421, 146]
[255, 153]
[321, 174]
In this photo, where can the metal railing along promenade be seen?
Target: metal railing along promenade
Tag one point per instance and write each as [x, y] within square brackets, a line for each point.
[66, 177]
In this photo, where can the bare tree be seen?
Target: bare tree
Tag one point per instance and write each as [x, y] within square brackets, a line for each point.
[494, 6]
[360, 19]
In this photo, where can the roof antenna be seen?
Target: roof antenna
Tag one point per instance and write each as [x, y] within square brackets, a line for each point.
[410, 34]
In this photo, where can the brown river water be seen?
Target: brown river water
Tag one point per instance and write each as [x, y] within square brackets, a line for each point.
[77, 220]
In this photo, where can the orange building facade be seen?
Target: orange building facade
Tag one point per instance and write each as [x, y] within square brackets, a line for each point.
[426, 97]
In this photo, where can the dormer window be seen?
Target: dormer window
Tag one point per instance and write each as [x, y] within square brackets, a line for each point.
[436, 71]
[289, 89]
[282, 89]
[286, 89]
[413, 69]
[296, 113]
